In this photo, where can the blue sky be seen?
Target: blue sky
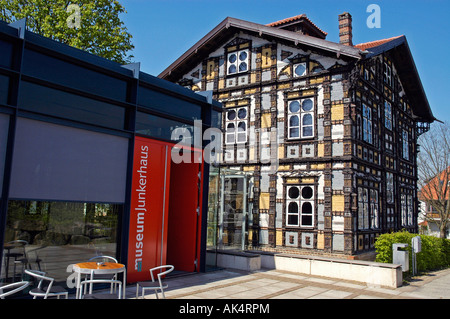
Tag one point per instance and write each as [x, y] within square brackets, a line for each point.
[164, 29]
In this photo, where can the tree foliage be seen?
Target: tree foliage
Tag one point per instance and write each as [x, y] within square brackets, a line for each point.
[100, 30]
[434, 174]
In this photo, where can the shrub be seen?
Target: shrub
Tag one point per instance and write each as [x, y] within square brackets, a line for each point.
[435, 252]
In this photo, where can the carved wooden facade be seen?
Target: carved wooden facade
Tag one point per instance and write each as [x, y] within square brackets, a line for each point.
[335, 121]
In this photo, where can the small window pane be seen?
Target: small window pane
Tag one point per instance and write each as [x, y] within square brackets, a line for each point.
[306, 220]
[241, 127]
[307, 192]
[242, 67]
[293, 192]
[307, 131]
[231, 115]
[232, 69]
[243, 55]
[307, 105]
[300, 69]
[293, 208]
[232, 58]
[294, 132]
[294, 121]
[307, 208]
[242, 113]
[307, 119]
[294, 106]
[292, 220]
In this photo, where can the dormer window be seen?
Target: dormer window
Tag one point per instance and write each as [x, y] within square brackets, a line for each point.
[300, 69]
[238, 62]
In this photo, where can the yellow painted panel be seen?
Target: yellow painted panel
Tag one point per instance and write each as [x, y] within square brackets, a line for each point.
[243, 102]
[308, 92]
[264, 201]
[338, 203]
[266, 57]
[210, 73]
[284, 168]
[320, 149]
[279, 239]
[307, 180]
[293, 95]
[221, 84]
[265, 120]
[284, 86]
[337, 112]
[244, 45]
[320, 241]
[316, 80]
[249, 168]
[292, 180]
[280, 151]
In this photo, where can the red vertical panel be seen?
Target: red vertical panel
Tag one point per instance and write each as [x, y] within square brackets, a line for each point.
[149, 208]
[182, 238]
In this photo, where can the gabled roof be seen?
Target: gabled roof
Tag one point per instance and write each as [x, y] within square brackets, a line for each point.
[224, 30]
[399, 51]
[397, 46]
[368, 45]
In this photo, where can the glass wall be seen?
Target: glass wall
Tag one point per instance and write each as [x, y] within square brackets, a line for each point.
[230, 205]
[50, 236]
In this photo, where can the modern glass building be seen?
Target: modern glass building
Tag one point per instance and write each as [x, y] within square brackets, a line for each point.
[90, 162]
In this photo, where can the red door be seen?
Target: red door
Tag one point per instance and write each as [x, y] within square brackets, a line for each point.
[184, 214]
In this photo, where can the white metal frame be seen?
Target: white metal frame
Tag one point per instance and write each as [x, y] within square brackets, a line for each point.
[153, 285]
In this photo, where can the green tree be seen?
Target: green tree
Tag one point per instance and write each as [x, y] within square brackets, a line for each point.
[90, 25]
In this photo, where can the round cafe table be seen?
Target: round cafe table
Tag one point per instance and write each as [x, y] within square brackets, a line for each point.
[105, 268]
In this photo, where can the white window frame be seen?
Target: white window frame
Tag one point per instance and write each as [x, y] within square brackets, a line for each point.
[367, 124]
[405, 145]
[300, 201]
[237, 63]
[300, 115]
[235, 136]
[368, 208]
[389, 188]
[387, 74]
[388, 115]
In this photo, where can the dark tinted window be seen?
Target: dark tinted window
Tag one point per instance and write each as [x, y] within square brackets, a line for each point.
[73, 76]
[4, 85]
[6, 49]
[168, 104]
[162, 128]
[49, 101]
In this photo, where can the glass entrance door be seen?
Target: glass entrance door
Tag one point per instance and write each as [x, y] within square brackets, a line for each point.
[234, 217]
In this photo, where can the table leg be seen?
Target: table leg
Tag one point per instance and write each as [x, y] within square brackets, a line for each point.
[78, 293]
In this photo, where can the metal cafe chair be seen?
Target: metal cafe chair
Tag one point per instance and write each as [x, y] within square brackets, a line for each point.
[48, 290]
[15, 287]
[92, 281]
[108, 277]
[16, 250]
[155, 285]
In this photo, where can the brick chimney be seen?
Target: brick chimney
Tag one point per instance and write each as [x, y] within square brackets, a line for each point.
[345, 29]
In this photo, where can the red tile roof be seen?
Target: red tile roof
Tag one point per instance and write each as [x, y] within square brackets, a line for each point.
[291, 19]
[368, 45]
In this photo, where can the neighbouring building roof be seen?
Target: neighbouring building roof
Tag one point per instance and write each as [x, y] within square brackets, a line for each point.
[438, 188]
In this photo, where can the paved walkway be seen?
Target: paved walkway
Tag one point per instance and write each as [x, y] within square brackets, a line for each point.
[276, 284]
